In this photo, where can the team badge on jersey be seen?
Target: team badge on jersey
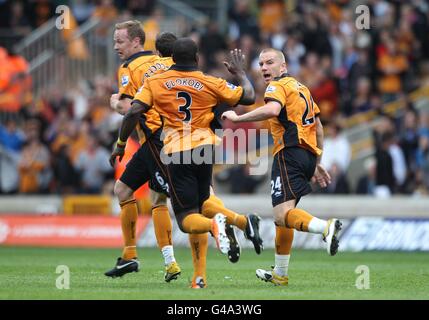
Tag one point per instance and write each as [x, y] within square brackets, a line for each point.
[270, 89]
[124, 80]
[231, 86]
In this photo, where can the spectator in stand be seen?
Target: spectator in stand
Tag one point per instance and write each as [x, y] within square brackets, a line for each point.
[93, 166]
[212, 42]
[367, 182]
[15, 82]
[421, 187]
[107, 13]
[239, 179]
[74, 137]
[358, 70]
[339, 183]
[398, 162]
[12, 140]
[324, 90]
[9, 178]
[336, 40]
[243, 21]
[424, 123]
[271, 14]
[362, 99]
[385, 178]
[409, 138]
[315, 35]
[11, 137]
[392, 65]
[66, 176]
[422, 159]
[141, 7]
[40, 11]
[34, 164]
[18, 21]
[82, 10]
[294, 51]
[336, 148]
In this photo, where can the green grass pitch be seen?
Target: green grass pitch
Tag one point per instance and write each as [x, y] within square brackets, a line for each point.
[30, 273]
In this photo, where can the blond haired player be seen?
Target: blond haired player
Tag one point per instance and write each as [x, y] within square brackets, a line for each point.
[298, 144]
[129, 38]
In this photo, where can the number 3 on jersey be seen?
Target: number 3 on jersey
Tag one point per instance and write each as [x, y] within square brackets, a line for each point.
[185, 107]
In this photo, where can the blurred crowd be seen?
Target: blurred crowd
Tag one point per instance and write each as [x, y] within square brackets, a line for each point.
[63, 143]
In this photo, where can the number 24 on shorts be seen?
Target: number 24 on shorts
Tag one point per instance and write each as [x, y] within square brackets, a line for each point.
[276, 186]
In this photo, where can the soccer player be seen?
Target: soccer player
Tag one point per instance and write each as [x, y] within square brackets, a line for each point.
[185, 98]
[248, 224]
[129, 38]
[298, 144]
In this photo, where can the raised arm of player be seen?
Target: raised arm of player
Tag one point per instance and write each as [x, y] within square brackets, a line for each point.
[236, 67]
[267, 111]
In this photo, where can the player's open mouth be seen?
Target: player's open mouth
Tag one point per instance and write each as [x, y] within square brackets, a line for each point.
[267, 76]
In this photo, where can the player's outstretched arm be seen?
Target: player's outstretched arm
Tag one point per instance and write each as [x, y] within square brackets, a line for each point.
[270, 110]
[236, 67]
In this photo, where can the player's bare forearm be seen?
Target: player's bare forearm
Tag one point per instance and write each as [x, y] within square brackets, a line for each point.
[259, 114]
[319, 136]
[248, 91]
[236, 67]
[131, 119]
[121, 106]
[270, 110]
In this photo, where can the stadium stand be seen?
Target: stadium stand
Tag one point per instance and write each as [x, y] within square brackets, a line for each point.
[366, 82]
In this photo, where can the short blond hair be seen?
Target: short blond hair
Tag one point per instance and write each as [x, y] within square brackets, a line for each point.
[134, 30]
[279, 53]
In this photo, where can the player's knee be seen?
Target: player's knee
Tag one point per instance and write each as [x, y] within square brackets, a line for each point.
[158, 199]
[280, 217]
[279, 220]
[122, 191]
[281, 211]
[179, 219]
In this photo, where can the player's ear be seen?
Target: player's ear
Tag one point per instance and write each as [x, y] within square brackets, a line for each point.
[136, 42]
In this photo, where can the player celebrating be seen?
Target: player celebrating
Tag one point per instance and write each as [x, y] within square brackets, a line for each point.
[298, 144]
[248, 224]
[185, 97]
[129, 38]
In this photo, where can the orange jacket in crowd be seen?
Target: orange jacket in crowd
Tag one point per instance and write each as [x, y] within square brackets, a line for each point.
[15, 82]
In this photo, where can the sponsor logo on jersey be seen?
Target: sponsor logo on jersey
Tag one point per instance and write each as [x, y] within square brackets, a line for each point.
[124, 80]
[231, 86]
[270, 89]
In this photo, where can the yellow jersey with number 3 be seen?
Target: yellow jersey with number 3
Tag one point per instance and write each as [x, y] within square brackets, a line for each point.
[295, 126]
[185, 99]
